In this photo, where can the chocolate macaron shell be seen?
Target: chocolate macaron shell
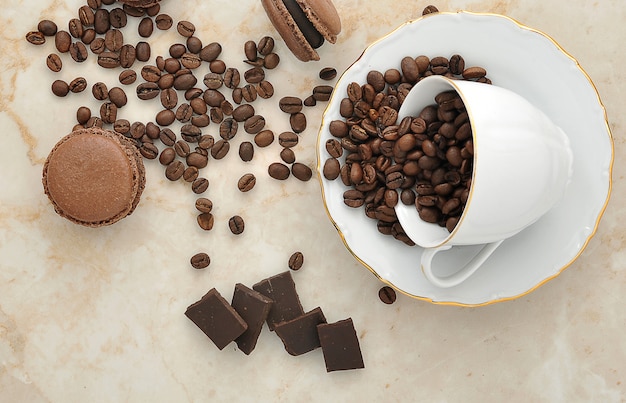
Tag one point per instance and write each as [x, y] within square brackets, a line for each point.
[324, 17]
[94, 177]
[288, 30]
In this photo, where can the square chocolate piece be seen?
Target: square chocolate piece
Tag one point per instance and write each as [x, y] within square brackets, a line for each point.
[253, 307]
[282, 290]
[216, 318]
[299, 335]
[340, 345]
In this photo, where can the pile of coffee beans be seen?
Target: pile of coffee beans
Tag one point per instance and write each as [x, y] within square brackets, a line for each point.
[424, 160]
[190, 102]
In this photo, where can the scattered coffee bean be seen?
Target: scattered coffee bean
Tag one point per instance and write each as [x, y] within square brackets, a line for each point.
[36, 38]
[83, 114]
[62, 41]
[271, 61]
[174, 170]
[200, 261]
[265, 45]
[167, 156]
[60, 88]
[210, 52]
[146, 27]
[328, 73]
[301, 171]
[236, 225]
[47, 27]
[148, 150]
[197, 159]
[387, 295]
[430, 9]
[127, 77]
[254, 75]
[287, 155]
[264, 138]
[101, 22]
[246, 182]
[290, 104]
[298, 122]
[220, 149]
[190, 174]
[296, 260]
[54, 63]
[118, 96]
[114, 40]
[278, 171]
[254, 124]
[331, 169]
[200, 185]
[322, 92]
[142, 51]
[204, 205]
[118, 18]
[205, 221]
[310, 101]
[78, 51]
[264, 89]
[147, 91]
[288, 139]
[186, 28]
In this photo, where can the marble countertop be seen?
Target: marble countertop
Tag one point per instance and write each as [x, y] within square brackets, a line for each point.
[97, 314]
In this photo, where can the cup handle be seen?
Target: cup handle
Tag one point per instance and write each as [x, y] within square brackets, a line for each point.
[461, 275]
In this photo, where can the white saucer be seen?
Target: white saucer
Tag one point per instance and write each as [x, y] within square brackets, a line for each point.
[530, 63]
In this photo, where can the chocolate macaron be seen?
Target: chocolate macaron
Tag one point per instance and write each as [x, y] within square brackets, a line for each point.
[304, 24]
[94, 177]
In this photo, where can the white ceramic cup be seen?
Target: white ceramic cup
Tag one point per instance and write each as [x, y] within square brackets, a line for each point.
[521, 168]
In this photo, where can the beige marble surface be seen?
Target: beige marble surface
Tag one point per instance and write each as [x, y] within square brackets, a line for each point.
[97, 315]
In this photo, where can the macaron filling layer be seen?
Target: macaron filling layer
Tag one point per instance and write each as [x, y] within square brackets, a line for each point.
[311, 34]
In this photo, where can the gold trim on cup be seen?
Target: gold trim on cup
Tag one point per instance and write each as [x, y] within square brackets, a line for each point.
[493, 301]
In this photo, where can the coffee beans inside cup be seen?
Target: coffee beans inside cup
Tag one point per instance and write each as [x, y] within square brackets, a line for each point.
[425, 160]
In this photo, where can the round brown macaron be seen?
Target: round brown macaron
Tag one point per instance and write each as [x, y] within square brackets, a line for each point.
[304, 24]
[94, 177]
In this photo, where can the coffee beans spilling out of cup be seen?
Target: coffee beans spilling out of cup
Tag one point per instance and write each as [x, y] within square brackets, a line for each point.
[425, 160]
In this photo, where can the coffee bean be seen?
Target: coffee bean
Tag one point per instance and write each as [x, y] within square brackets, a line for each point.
[264, 138]
[246, 182]
[94, 121]
[228, 128]
[387, 295]
[328, 73]
[288, 139]
[250, 50]
[254, 75]
[200, 261]
[376, 80]
[118, 18]
[254, 124]
[75, 28]
[196, 159]
[210, 52]
[165, 117]
[114, 40]
[243, 112]
[296, 260]
[265, 45]
[78, 51]
[331, 169]
[204, 205]
[185, 28]
[108, 112]
[246, 151]
[174, 170]
[167, 137]
[333, 147]
[167, 156]
[118, 96]
[109, 60]
[152, 11]
[190, 60]
[142, 51]
[149, 150]
[60, 88]
[184, 113]
[62, 41]
[127, 77]
[213, 98]
[198, 106]
[146, 27]
[236, 225]
[309, 101]
[101, 21]
[200, 185]
[271, 61]
[121, 126]
[213, 81]
[264, 89]
[290, 104]
[217, 66]
[322, 92]
[133, 11]
[89, 35]
[190, 174]
[353, 198]
[297, 122]
[287, 155]
[147, 91]
[430, 9]
[54, 63]
[248, 93]
[278, 171]
[163, 22]
[94, 4]
[220, 149]
[190, 133]
[47, 27]
[205, 221]
[83, 114]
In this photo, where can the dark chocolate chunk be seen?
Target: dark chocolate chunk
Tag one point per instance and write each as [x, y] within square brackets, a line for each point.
[253, 307]
[282, 290]
[340, 345]
[299, 335]
[216, 318]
